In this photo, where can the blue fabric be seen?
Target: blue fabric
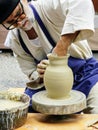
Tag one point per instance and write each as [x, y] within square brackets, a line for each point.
[85, 73]
[31, 92]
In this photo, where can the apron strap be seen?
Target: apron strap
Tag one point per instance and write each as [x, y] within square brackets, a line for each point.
[42, 26]
[24, 45]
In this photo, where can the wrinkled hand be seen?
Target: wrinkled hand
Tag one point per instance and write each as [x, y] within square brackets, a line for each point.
[41, 67]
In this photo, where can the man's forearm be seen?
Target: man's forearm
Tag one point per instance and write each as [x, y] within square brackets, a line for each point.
[63, 44]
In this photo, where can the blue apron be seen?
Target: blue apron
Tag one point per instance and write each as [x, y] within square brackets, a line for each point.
[85, 73]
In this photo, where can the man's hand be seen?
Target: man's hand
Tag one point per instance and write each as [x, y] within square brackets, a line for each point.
[61, 48]
[41, 67]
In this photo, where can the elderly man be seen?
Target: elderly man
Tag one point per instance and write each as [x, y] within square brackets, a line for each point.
[57, 26]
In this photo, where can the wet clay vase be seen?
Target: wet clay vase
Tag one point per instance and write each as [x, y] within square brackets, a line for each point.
[58, 77]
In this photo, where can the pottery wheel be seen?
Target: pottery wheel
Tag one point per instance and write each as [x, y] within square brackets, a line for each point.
[76, 102]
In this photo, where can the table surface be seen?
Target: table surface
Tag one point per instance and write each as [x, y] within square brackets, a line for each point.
[37, 121]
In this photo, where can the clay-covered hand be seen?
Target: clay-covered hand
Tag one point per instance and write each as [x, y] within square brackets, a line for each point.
[41, 67]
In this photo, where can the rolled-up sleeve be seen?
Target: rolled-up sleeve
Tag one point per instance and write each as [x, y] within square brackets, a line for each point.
[80, 16]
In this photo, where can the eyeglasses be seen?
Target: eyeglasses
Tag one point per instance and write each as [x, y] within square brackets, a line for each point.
[11, 26]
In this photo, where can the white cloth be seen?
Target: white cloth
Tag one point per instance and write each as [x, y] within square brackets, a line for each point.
[60, 17]
[92, 101]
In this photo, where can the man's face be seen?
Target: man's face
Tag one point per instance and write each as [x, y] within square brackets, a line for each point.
[15, 18]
